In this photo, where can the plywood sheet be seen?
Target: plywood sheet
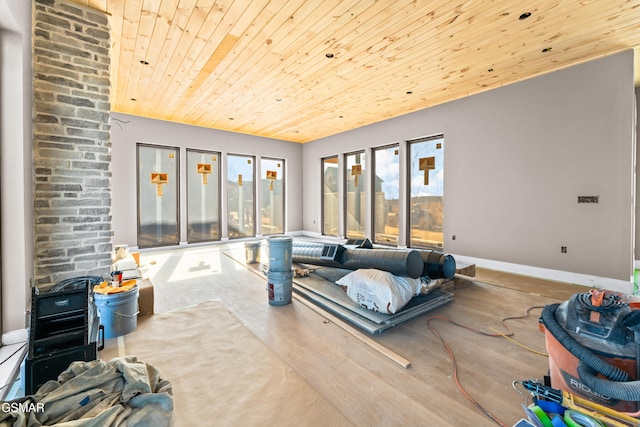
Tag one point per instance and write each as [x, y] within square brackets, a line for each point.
[320, 288]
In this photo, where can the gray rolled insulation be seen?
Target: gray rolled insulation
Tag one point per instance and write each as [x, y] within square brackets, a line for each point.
[396, 261]
[438, 265]
[304, 244]
[328, 255]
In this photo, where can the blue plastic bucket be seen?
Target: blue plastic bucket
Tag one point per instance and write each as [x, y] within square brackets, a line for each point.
[279, 287]
[118, 312]
[280, 248]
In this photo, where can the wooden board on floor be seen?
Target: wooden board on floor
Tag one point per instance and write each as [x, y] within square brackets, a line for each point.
[320, 287]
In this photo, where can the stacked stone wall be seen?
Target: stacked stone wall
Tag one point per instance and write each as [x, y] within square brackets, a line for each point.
[72, 142]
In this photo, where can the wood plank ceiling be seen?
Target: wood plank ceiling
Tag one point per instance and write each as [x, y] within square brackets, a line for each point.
[300, 70]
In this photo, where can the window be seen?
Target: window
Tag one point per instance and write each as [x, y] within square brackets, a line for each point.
[203, 196]
[240, 196]
[157, 196]
[272, 196]
[426, 192]
[386, 207]
[330, 196]
[355, 195]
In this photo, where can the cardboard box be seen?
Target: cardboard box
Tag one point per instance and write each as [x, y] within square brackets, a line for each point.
[145, 297]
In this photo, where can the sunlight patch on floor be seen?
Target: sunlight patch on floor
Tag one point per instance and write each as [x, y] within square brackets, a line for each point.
[175, 265]
[193, 265]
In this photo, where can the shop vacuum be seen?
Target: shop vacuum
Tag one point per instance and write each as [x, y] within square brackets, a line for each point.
[593, 341]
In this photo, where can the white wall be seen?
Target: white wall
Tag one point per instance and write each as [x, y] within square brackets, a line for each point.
[16, 221]
[637, 241]
[516, 158]
[128, 130]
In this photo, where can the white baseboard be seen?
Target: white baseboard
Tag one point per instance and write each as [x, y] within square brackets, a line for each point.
[313, 234]
[616, 285]
[316, 235]
[624, 287]
[598, 282]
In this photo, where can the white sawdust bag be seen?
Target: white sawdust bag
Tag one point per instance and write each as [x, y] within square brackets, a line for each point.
[378, 290]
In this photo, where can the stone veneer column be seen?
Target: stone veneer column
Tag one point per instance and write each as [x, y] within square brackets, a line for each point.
[71, 142]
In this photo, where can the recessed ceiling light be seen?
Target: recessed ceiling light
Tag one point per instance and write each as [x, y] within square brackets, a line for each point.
[546, 49]
[329, 55]
[524, 16]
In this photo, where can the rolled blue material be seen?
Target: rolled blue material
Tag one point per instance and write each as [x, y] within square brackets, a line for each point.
[550, 407]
